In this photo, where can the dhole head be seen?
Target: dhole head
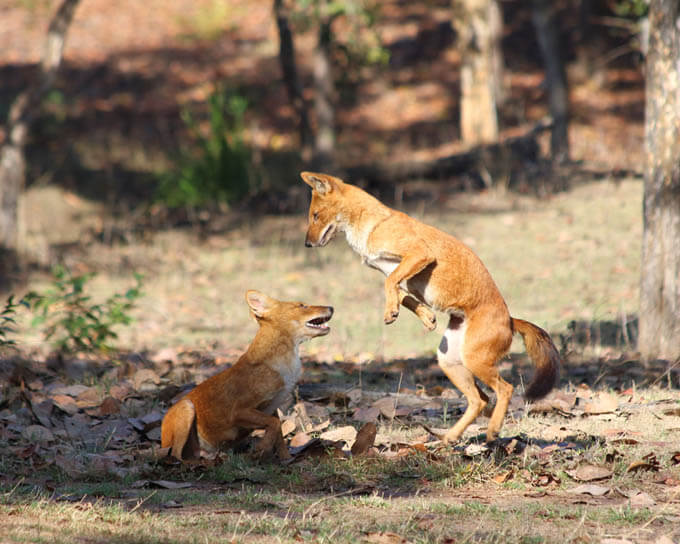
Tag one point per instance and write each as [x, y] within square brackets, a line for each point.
[294, 318]
[323, 210]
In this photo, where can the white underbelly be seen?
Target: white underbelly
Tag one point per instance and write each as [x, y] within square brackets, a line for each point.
[385, 265]
[418, 286]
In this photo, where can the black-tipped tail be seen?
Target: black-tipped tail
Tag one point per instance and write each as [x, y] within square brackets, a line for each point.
[543, 353]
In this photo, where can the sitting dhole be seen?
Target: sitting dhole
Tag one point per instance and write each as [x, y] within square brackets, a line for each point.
[226, 407]
[427, 269]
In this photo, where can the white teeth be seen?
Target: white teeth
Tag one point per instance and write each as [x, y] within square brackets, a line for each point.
[312, 325]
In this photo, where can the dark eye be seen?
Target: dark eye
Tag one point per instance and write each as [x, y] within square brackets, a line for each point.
[315, 216]
[302, 305]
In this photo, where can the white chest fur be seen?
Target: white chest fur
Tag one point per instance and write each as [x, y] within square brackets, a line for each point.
[290, 372]
[357, 239]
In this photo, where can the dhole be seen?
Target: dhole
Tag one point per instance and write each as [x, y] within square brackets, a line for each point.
[428, 270]
[226, 407]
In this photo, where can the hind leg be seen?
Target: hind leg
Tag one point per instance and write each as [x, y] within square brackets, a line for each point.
[450, 358]
[485, 343]
[178, 430]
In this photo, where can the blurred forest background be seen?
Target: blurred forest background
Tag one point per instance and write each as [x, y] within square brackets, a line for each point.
[171, 126]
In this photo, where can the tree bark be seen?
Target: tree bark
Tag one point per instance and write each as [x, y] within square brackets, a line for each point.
[21, 113]
[547, 33]
[477, 25]
[659, 335]
[324, 91]
[290, 75]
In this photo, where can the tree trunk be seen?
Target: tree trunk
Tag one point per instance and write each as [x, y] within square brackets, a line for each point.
[659, 335]
[547, 33]
[21, 113]
[324, 91]
[477, 25]
[290, 75]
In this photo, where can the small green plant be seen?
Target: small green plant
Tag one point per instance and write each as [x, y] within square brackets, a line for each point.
[7, 322]
[219, 167]
[633, 9]
[72, 321]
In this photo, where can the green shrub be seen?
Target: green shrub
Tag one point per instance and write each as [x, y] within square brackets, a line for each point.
[7, 323]
[218, 168]
[72, 321]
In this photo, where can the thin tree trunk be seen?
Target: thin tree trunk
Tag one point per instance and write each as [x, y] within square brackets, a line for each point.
[476, 23]
[290, 75]
[659, 335]
[496, 24]
[324, 87]
[547, 33]
[21, 113]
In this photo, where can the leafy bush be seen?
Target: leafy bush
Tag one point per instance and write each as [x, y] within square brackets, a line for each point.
[7, 322]
[72, 321]
[634, 9]
[219, 166]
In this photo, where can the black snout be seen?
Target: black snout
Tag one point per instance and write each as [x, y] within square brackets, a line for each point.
[308, 243]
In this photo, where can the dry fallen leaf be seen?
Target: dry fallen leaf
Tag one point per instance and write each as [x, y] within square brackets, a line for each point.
[365, 439]
[502, 477]
[648, 462]
[366, 415]
[65, 403]
[384, 537]
[70, 390]
[347, 434]
[590, 489]
[165, 484]
[556, 402]
[145, 379]
[589, 473]
[476, 449]
[601, 403]
[37, 433]
[109, 406]
[299, 439]
[89, 398]
[120, 391]
[287, 426]
[387, 406]
[642, 500]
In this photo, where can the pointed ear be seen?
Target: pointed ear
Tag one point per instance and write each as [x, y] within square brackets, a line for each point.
[321, 183]
[259, 303]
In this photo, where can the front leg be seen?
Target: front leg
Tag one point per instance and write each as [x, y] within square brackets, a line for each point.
[408, 267]
[425, 314]
[272, 441]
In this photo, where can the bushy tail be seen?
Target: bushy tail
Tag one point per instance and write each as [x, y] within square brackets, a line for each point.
[543, 353]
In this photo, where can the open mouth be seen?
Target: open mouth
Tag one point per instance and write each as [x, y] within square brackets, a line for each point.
[319, 323]
[327, 234]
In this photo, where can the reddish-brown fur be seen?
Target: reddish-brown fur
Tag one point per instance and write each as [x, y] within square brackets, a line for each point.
[427, 269]
[226, 407]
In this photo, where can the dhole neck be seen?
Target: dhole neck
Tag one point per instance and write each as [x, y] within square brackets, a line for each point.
[361, 217]
[269, 338]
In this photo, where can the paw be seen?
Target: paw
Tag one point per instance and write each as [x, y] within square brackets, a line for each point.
[451, 437]
[391, 316]
[429, 319]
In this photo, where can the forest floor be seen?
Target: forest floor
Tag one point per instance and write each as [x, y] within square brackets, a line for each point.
[597, 461]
